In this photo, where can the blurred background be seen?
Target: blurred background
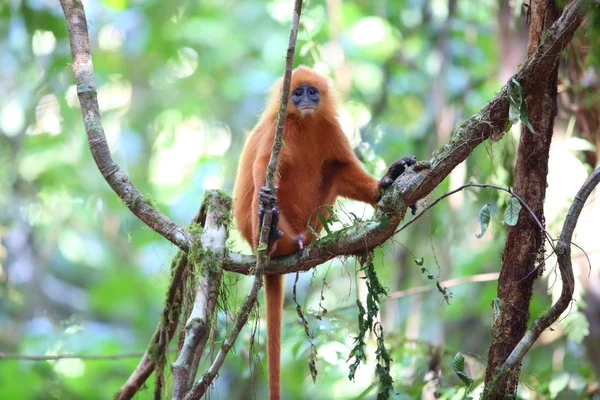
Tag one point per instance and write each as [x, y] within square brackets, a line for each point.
[180, 85]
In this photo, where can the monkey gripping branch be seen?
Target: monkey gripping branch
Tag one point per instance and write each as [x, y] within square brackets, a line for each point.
[490, 123]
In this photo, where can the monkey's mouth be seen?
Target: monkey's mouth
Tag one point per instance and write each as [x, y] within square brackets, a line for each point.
[307, 110]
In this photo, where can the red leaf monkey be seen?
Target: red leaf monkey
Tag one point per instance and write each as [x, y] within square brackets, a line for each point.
[315, 166]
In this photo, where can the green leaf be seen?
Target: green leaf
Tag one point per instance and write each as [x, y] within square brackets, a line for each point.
[511, 214]
[484, 220]
[525, 117]
[419, 261]
[459, 368]
[515, 96]
[323, 221]
[517, 110]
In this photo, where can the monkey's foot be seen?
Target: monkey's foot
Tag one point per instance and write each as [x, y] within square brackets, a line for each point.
[395, 170]
[300, 242]
[267, 199]
[413, 208]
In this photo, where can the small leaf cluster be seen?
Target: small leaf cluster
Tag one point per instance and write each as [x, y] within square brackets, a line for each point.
[458, 364]
[518, 108]
[511, 215]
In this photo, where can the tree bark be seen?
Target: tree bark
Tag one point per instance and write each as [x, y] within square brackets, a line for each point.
[522, 260]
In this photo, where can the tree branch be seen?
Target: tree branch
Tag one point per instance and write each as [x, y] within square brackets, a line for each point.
[485, 186]
[563, 254]
[112, 173]
[419, 180]
[200, 323]
[398, 294]
[167, 324]
[201, 386]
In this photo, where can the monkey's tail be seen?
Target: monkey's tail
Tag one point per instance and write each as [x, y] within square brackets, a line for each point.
[274, 301]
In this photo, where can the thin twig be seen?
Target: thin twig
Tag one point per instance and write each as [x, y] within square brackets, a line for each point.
[487, 186]
[398, 294]
[114, 175]
[200, 387]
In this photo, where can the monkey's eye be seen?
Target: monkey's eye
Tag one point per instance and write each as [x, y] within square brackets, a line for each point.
[297, 93]
[312, 92]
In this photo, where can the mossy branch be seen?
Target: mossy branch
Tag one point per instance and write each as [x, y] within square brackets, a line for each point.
[207, 257]
[114, 175]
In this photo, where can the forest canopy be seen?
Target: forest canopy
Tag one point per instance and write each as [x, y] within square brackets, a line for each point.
[491, 291]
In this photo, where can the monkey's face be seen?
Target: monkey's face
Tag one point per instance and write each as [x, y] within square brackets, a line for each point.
[306, 99]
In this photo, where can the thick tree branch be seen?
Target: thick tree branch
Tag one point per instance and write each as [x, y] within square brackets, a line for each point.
[563, 254]
[418, 181]
[112, 173]
[200, 323]
[202, 385]
[523, 258]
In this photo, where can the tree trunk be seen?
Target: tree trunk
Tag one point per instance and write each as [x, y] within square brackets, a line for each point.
[522, 260]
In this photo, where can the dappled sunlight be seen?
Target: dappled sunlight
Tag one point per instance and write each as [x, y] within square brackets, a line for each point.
[349, 126]
[110, 38]
[114, 95]
[280, 10]
[177, 148]
[71, 96]
[370, 31]
[67, 152]
[180, 85]
[12, 118]
[184, 65]
[332, 53]
[367, 77]
[181, 144]
[566, 173]
[43, 43]
[48, 119]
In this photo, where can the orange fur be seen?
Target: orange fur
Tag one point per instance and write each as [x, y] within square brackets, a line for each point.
[315, 166]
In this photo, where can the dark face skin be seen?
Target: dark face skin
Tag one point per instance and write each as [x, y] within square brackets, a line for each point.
[306, 98]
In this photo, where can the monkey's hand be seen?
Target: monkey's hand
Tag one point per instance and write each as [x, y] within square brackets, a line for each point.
[265, 198]
[394, 171]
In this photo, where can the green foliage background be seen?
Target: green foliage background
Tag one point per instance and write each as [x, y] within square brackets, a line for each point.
[180, 85]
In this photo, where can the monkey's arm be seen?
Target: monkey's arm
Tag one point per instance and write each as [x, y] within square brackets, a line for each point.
[354, 183]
